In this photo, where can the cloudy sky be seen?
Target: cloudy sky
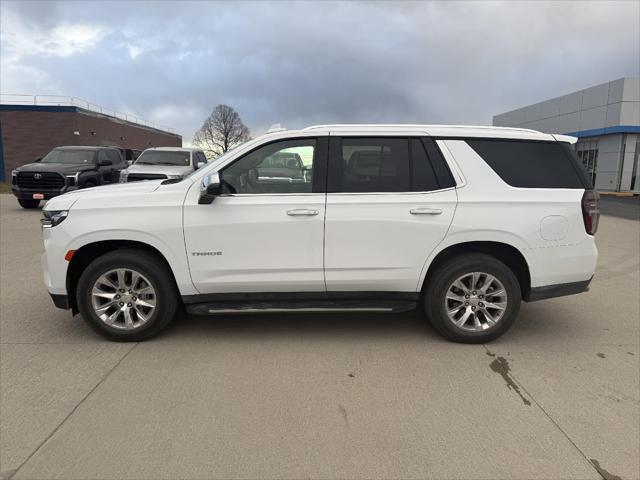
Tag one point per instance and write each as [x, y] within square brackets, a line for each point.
[302, 63]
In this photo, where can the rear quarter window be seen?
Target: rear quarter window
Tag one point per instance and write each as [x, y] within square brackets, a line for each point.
[531, 164]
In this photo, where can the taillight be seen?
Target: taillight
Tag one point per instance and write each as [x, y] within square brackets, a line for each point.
[590, 211]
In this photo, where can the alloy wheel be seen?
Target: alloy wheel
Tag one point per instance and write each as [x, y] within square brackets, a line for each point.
[476, 301]
[123, 298]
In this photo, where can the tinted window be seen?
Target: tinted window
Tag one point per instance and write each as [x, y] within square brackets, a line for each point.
[529, 164]
[439, 164]
[114, 156]
[375, 165]
[279, 167]
[102, 155]
[422, 174]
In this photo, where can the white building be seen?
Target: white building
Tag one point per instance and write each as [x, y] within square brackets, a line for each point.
[606, 120]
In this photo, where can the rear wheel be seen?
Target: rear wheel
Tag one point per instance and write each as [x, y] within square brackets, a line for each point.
[127, 295]
[89, 184]
[472, 298]
[29, 203]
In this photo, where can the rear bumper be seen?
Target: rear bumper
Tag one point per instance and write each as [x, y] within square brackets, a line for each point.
[60, 301]
[558, 290]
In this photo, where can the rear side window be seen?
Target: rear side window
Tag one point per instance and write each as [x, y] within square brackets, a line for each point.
[386, 164]
[530, 164]
[375, 165]
[423, 174]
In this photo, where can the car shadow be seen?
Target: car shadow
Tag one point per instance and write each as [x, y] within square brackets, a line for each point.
[325, 325]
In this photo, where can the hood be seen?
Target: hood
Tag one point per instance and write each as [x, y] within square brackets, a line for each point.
[63, 168]
[64, 202]
[161, 169]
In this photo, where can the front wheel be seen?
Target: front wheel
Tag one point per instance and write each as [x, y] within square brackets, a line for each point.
[29, 203]
[472, 298]
[127, 295]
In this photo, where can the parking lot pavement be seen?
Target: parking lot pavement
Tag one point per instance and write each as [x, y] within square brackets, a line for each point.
[322, 396]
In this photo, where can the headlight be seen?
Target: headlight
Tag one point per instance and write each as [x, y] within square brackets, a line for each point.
[53, 217]
[14, 173]
[73, 179]
[14, 177]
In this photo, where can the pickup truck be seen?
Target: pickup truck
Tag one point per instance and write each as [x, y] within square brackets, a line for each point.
[64, 169]
[162, 163]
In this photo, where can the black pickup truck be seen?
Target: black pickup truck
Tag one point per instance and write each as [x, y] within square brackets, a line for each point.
[64, 169]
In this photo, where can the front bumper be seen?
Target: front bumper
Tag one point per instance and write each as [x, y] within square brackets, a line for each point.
[27, 193]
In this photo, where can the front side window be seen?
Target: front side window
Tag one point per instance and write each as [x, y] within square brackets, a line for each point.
[279, 167]
[69, 156]
[102, 156]
[114, 157]
[163, 157]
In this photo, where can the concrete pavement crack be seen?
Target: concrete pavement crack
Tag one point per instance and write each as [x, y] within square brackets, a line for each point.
[73, 410]
[551, 419]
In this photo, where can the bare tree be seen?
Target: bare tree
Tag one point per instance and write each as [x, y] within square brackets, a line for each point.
[221, 131]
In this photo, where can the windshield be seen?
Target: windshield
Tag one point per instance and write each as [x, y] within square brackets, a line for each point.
[69, 156]
[160, 157]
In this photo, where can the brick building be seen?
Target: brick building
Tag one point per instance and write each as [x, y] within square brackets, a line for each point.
[31, 131]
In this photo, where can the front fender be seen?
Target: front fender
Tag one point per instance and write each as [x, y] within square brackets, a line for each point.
[174, 254]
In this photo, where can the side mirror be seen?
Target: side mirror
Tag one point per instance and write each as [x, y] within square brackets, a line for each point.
[210, 189]
[200, 164]
[104, 162]
[129, 162]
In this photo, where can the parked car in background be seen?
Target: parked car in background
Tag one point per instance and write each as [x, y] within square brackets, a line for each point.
[283, 166]
[64, 169]
[462, 222]
[161, 163]
[129, 154]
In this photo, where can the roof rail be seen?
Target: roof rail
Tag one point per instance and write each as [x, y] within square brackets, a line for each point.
[488, 127]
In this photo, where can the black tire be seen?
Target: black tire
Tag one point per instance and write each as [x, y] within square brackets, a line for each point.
[149, 266]
[439, 282]
[29, 203]
[89, 184]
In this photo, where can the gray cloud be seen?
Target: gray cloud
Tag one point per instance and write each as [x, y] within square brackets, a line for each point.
[300, 63]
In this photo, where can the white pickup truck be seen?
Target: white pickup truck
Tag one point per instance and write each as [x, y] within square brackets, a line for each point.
[161, 163]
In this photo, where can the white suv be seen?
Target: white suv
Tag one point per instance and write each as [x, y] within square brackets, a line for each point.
[464, 222]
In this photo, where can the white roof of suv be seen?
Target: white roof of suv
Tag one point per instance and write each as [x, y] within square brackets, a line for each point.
[443, 131]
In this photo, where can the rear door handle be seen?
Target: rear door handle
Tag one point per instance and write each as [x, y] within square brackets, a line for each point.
[302, 212]
[425, 211]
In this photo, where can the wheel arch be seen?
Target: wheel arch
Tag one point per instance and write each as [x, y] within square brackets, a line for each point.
[89, 252]
[90, 176]
[511, 256]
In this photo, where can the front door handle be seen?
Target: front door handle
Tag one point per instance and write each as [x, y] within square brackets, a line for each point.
[302, 212]
[425, 211]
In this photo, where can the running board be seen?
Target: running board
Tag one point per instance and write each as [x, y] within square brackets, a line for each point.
[212, 308]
